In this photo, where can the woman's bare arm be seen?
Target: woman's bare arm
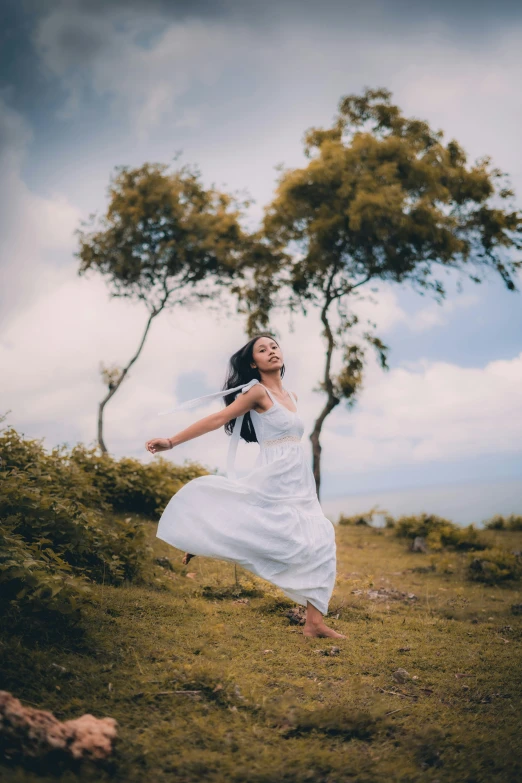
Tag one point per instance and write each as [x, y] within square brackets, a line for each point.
[242, 404]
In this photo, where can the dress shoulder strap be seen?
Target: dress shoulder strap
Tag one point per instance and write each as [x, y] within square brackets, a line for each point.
[268, 392]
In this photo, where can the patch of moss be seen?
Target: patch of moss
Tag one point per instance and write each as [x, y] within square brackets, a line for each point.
[215, 689]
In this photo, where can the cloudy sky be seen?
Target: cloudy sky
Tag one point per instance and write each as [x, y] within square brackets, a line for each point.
[232, 86]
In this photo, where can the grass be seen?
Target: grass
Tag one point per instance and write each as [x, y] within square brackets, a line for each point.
[209, 680]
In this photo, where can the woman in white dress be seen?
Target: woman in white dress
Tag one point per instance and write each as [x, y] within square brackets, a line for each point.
[269, 521]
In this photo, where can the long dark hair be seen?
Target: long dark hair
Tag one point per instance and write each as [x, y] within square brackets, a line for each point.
[239, 371]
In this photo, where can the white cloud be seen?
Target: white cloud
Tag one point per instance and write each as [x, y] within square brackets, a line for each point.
[432, 411]
[433, 314]
[37, 232]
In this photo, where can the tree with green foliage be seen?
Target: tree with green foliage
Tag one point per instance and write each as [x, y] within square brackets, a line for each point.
[383, 199]
[165, 241]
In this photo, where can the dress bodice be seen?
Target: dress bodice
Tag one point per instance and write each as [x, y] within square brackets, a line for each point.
[277, 422]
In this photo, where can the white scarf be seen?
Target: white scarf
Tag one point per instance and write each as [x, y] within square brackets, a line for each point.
[234, 440]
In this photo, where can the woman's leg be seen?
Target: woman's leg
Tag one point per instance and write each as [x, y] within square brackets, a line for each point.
[315, 625]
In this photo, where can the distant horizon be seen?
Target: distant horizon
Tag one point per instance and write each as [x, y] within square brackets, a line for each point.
[463, 502]
[431, 485]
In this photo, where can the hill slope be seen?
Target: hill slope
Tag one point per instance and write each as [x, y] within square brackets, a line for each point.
[210, 680]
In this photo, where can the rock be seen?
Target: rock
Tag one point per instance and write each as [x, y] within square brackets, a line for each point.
[164, 562]
[419, 545]
[296, 615]
[401, 675]
[57, 666]
[386, 594]
[37, 733]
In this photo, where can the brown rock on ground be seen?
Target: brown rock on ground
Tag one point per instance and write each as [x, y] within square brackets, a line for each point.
[32, 732]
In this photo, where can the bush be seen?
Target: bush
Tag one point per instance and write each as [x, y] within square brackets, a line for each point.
[361, 519]
[37, 579]
[498, 522]
[131, 486]
[494, 566]
[98, 480]
[51, 535]
[439, 532]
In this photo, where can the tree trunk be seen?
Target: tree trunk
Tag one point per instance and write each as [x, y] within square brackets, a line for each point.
[117, 385]
[331, 402]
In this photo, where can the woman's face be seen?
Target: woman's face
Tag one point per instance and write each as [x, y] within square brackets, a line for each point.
[267, 355]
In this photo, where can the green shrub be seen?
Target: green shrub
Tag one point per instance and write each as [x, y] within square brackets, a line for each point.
[131, 486]
[37, 578]
[361, 519]
[420, 525]
[98, 480]
[494, 566]
[439, 532]
[498, 522]
[47, 469]
[51, 533]
[41, 514]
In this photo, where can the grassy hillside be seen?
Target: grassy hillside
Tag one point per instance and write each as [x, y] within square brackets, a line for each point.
[210, 680]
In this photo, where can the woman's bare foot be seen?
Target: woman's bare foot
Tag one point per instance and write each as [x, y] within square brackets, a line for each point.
[314, 625]
[321, 630]
[187, 557]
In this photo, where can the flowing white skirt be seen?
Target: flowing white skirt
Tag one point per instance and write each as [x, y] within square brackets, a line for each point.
[269, 521]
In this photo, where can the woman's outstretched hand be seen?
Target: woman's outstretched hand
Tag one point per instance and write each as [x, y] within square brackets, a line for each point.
[158, 444]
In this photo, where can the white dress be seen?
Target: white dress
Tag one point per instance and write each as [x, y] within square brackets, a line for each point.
[269, 521]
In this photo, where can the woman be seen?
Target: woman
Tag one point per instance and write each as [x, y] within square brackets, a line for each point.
[269, 521]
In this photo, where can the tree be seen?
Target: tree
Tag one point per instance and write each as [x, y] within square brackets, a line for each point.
[165, 240]
[383, 198]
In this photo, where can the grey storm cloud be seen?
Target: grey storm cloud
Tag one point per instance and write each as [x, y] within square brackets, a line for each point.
[73, 33]
[271, 10]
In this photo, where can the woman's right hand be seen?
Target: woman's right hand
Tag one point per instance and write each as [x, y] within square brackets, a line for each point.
[158, 444]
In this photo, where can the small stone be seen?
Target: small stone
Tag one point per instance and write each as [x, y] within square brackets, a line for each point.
[401, 675]
[57, 666]
[164, 562]
[296, 615]
[419, 545]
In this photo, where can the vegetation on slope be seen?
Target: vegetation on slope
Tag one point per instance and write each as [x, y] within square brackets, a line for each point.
[210, 680]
